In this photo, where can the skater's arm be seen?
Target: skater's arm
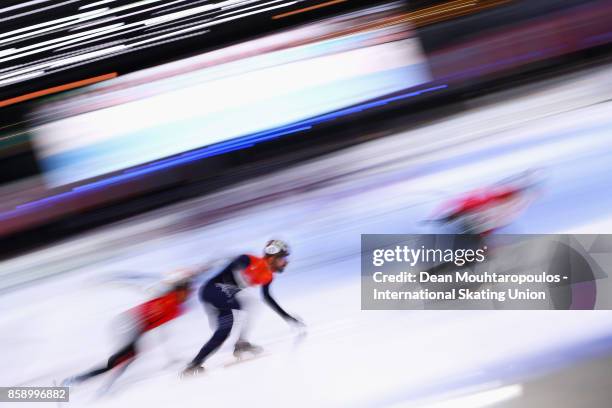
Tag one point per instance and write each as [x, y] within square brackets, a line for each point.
[274, 304]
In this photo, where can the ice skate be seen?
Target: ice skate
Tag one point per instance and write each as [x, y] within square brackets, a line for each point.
[244, 348]
[192, 371]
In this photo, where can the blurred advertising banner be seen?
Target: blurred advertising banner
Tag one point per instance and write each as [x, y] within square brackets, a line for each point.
[495, 272]
[212, 100]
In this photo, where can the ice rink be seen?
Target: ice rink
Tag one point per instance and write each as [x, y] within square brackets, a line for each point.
[61, 325]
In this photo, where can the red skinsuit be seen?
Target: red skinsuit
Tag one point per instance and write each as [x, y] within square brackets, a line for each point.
[258, 272]
[479, 200]
[158, 311]
[495, 208]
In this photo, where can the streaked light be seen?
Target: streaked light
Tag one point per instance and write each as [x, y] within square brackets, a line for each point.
[159, 37]
[57, 89]
[97, 3]
[248, 8]
[50, 22]
[56, 42]
[88, 55]
[22, 5]
[305, 9]
[38, 10]
[185, 13]
[19, 78]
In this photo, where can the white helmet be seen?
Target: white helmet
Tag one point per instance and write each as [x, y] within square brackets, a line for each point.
[276, 247]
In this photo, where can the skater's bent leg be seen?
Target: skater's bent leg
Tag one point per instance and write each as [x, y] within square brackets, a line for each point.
[124, 355]
[225, 321]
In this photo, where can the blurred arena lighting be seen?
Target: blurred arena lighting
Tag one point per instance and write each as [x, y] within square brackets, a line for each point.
[82, 36]
[37, 48]
[305, 9]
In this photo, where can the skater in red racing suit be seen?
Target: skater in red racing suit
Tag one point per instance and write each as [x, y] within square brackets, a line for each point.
[140, 320]
[488, 209]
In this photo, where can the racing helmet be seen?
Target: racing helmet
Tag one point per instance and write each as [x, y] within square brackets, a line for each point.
[276, 247]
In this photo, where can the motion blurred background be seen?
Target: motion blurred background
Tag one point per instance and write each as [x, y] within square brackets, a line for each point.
[141, 136]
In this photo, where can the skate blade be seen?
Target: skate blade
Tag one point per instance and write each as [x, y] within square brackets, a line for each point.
[186, 376]
[244, 359]
[241, 354]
